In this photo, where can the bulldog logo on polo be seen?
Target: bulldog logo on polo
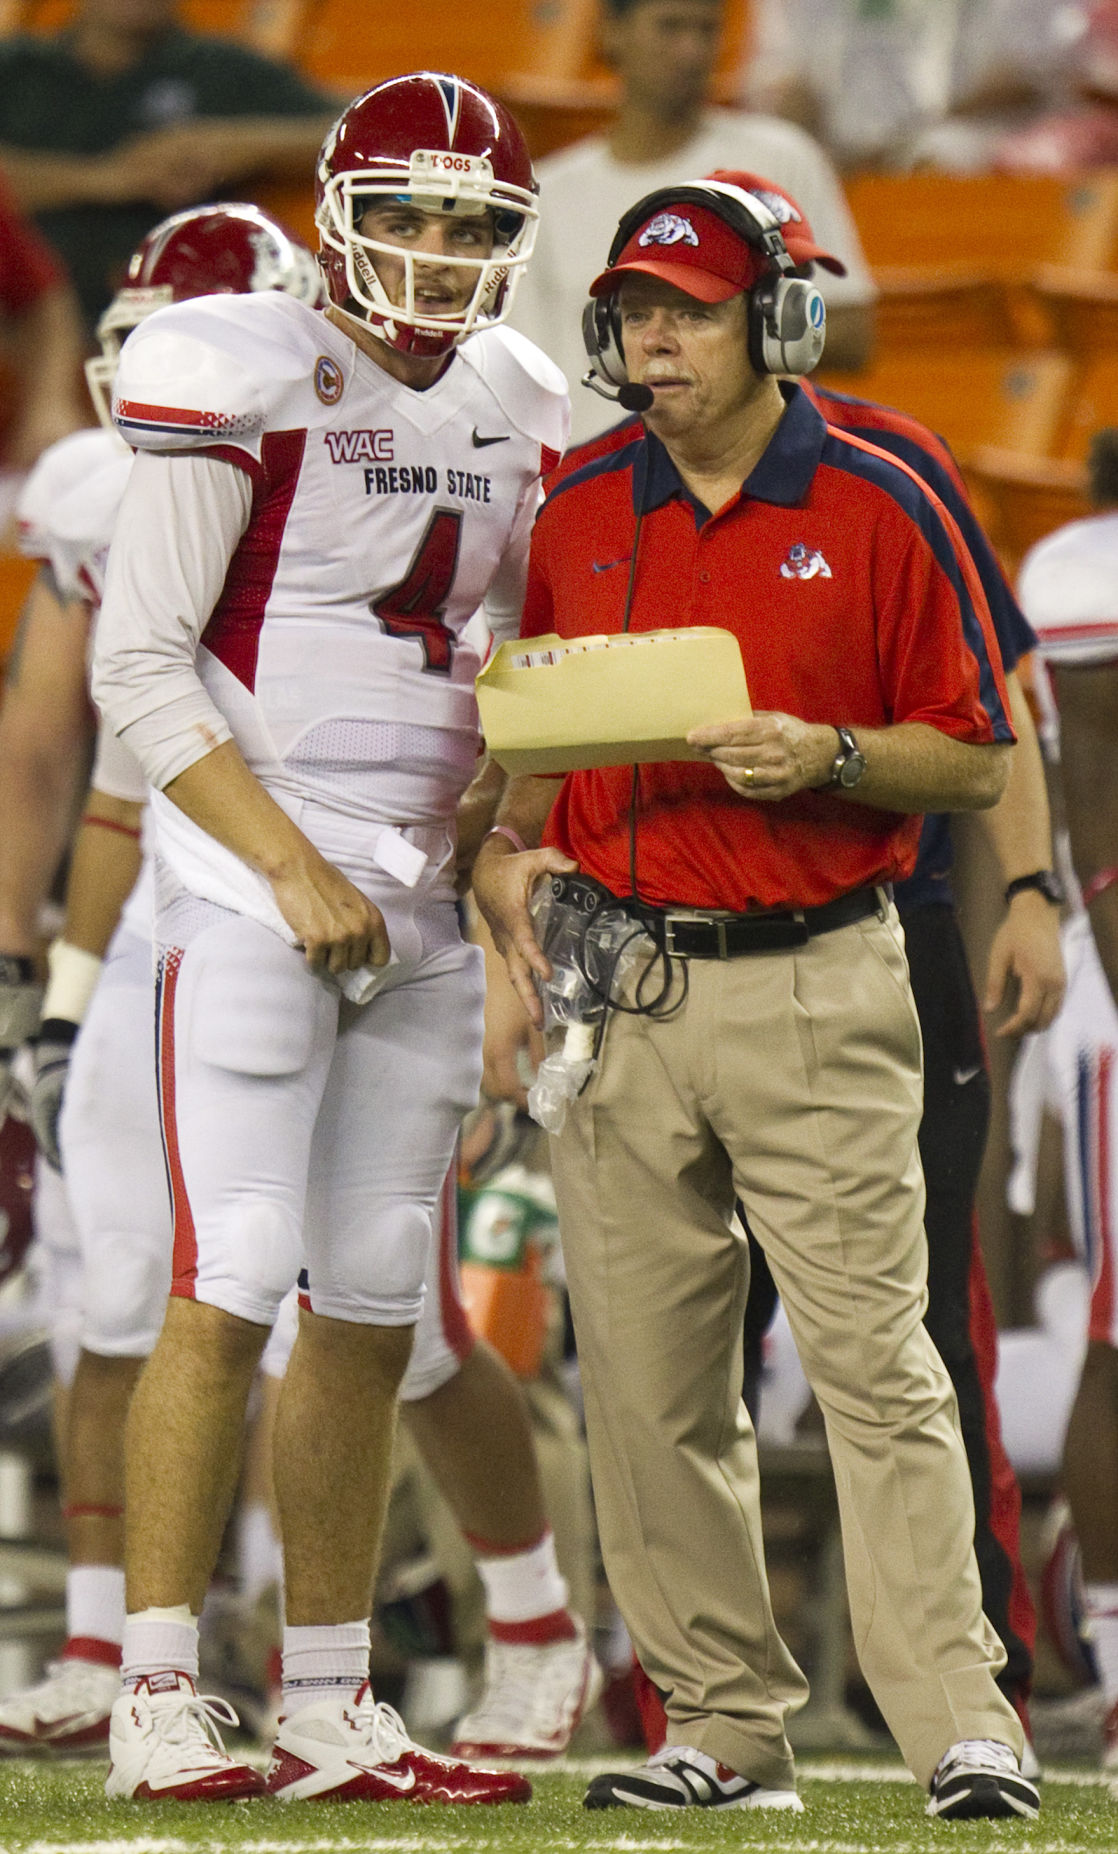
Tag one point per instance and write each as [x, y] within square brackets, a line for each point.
[669, 228]
[803, 562]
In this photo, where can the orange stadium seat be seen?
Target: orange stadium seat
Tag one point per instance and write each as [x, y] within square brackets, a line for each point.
[266, 25]
[1082, 307]
[972, 397]
[1033, 495]
[954, 254]
[346, 46]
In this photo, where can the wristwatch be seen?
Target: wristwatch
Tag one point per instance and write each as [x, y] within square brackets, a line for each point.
[1043, 881]
[849, 762]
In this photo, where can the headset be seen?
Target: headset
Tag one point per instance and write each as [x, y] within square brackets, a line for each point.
[786, 315]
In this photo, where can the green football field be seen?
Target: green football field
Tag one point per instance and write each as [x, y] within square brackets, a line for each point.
[849, 1809]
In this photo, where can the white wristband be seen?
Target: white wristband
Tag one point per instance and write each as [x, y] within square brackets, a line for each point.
[73, 979]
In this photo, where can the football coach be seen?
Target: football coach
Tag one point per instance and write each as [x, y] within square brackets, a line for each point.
[767, 1045]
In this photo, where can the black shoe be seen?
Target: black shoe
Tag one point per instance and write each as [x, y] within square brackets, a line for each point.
[678, 1778]
[981, 1778]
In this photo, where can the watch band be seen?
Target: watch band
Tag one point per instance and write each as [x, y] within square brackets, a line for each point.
[1043, 880]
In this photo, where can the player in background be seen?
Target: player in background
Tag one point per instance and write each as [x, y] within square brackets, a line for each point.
[466, 1411]
[1025, 955]
[1068, 588]
[319, 505]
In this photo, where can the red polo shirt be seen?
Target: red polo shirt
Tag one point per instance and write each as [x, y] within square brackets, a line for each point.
[838, 573]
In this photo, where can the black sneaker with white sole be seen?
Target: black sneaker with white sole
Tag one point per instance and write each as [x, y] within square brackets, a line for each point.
[979, 1778]
[680, 1778]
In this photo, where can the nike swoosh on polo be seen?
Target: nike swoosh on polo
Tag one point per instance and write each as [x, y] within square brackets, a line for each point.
[404, 1782]
[479, 443]
[603, 566]
[962, 1076]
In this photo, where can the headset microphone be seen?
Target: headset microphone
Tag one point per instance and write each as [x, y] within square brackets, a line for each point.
[630, 397]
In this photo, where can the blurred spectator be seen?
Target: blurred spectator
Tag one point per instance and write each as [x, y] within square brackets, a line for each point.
[1084, 133]
[664, 52]
[41, 389]
[910, 82]
[126, 116]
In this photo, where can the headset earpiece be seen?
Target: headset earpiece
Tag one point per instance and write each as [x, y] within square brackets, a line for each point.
[786, 315]
[787, 322]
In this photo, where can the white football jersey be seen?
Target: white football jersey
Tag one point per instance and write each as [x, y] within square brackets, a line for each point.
[68, 507]
[318, 593]
[1068, 591]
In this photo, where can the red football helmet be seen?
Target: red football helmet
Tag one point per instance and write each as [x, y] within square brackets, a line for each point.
[223, 250]
[17, 1178]
[444, 146]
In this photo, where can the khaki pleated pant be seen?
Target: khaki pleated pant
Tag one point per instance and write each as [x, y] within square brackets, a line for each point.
[792, 1080]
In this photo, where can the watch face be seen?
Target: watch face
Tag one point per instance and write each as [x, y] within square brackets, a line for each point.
[852, 769]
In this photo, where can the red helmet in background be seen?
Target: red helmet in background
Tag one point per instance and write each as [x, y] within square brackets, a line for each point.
[444, 146]
[17, 1180]
[222, 250]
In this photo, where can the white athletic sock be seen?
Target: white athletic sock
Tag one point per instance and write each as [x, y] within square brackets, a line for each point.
[259, 1553]
[156, 1640]
[95, 1603]
[321, 1659]
[1101, 1603]
[525, 1592]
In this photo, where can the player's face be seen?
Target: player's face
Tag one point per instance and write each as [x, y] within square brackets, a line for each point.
[665, 52]
[693, 355]
[440, 288]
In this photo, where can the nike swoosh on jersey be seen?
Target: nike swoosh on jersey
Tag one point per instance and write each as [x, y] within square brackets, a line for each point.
[962, 1076]
[404, 1782]
[479, 443]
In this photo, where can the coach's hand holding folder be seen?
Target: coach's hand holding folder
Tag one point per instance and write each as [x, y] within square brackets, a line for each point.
[555, 704]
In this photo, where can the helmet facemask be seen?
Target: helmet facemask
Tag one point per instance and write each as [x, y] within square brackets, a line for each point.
[447, 184]
[126, 311]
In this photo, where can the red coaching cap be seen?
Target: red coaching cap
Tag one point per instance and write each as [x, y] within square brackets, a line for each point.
[697, 251]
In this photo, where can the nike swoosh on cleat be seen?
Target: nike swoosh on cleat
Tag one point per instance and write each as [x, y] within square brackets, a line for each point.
[405, 1782]
[479, 443]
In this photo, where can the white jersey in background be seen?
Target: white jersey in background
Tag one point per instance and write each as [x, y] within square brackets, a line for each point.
[1068, 590]
[315, 613]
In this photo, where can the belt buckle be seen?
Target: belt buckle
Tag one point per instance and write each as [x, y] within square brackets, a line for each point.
[672, 921]
[669, 924]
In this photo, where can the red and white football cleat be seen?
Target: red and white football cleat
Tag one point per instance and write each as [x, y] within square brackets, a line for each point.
[533, 1698]
[357, 1751]
[64, 1715]
[164, 1743]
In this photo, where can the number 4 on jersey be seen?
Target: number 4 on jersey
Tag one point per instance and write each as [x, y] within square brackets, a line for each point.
[413, 607]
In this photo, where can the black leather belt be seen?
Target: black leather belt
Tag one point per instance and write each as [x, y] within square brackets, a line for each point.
[694, 936]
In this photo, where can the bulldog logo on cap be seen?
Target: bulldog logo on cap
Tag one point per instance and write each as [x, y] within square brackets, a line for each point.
[668, 228]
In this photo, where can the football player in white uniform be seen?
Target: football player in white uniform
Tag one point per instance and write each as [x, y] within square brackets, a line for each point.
[1069, 593]
[120, 1221]
[467, 1414]
[320, 504]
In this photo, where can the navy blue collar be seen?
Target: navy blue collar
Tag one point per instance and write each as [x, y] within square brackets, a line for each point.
[782, 474]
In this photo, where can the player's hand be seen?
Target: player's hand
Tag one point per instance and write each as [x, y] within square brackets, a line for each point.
[503, 882]
[510, 1040]
[768, 756]
[1026, 952]
[338, 928]
[53, 1051]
